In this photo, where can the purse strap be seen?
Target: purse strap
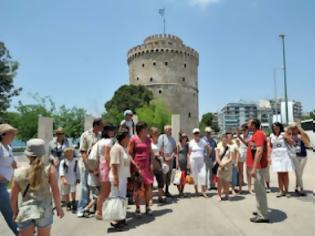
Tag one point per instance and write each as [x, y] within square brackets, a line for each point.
[26, 190]
[223, 154]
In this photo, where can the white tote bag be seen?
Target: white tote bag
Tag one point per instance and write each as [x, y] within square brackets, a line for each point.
[177, 177]
[115, 207]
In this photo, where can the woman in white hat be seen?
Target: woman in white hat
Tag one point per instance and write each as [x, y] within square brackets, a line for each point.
[197, 150]
[38, 185]
[7, 166]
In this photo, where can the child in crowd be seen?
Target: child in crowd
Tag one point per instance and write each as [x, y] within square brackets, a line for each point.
[70, 176]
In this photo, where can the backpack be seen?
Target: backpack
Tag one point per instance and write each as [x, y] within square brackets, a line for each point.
[66, 167]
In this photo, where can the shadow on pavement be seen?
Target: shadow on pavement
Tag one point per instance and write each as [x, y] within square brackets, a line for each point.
[133, 222]
[277, 216]
[236, 198]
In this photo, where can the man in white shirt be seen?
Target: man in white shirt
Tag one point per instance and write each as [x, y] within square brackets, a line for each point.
[167, 147]
[88, 139]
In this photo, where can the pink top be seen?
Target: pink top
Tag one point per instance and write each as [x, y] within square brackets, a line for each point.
[142, 156]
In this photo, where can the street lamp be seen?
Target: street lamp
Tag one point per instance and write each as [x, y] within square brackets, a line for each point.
[275, 91]
[285, 80]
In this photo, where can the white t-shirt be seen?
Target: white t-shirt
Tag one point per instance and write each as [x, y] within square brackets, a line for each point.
[6, 159]
[197, 148]
[119, 155]
[69, 173]
[155, 149]
[102, 144]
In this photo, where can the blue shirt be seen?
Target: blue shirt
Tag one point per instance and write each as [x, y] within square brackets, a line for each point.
[213, 144]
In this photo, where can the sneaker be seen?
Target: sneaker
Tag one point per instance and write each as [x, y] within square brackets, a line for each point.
[268, 190]
[258, 219]
[80, 214]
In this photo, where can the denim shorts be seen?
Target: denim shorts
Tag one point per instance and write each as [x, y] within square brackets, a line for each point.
[39, 223]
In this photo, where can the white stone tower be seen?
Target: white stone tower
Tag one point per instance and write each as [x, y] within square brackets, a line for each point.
[169, 69]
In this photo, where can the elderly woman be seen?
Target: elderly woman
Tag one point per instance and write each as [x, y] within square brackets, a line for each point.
[37, 184]
[198, 148]
[7, 166]
[120, 168]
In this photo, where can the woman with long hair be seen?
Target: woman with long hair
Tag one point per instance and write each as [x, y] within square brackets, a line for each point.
[280, 159]
[38, 185]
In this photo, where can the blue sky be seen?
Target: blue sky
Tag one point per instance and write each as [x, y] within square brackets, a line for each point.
[75, 51]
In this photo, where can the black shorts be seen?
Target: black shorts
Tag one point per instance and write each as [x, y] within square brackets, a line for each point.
[159, 176]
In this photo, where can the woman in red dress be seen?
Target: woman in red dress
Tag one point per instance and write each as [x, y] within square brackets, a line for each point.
[141, 152]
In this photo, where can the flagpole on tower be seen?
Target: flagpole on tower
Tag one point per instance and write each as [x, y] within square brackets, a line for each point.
[162, 14]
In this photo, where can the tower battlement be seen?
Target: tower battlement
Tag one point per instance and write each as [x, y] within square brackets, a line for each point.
[162, 43]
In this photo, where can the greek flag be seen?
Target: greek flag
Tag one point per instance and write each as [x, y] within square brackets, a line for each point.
[162, 12]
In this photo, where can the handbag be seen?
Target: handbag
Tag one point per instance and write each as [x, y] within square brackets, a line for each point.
[157, 165]
[177, 177]
[216, 166]
[115, 207]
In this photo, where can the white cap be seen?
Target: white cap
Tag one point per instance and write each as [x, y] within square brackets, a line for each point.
[35, 148]
[208, 130]
[128, 112]
[195, 130]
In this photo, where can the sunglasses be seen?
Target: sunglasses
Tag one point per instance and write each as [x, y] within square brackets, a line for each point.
[60, 133]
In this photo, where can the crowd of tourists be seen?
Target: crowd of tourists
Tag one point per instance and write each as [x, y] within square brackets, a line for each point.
[116, 166]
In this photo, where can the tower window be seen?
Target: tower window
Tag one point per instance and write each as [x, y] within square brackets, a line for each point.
[154, 63]
[151, 79]
[166, 63]
[137, 78]
[183, 79]
[142, 65]
[160, 91]
[189, 115]
[185, 65]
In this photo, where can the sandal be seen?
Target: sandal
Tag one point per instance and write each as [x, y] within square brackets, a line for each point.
[138, 213]
[148, 211]
[98, 217]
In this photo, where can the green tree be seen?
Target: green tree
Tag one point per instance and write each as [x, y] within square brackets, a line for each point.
[155, 114]
[208, 120]
[27, 119]
[71, 119]
[8, 69]
[126, 97]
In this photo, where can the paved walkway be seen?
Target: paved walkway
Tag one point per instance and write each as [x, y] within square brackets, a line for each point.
[199, 216]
